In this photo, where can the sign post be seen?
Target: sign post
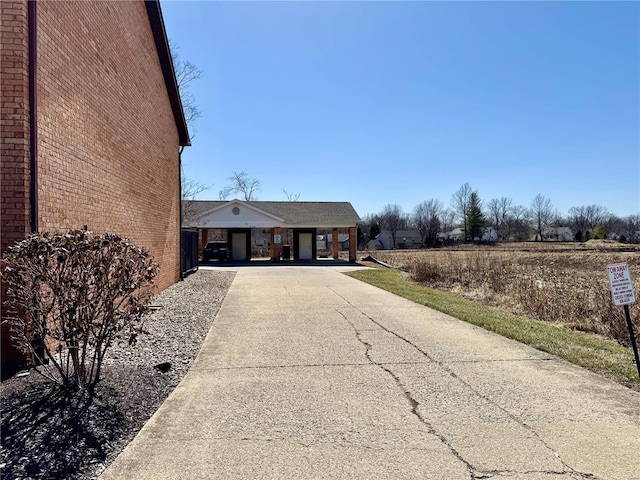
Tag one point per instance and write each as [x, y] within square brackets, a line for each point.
[623, 294]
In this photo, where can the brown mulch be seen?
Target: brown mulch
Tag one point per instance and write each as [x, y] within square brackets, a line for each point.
[48, 433]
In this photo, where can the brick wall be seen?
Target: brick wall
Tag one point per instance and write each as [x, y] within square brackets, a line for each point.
[14, 122]
[107, 141]
[14, 143]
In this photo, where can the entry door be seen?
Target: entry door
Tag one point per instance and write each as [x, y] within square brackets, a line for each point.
[306, 250]
[238, 246]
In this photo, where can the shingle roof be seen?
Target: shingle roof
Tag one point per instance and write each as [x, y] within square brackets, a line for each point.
[198, 207]
[321, 213]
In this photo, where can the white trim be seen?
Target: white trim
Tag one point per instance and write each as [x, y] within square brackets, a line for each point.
[318, 226]
[242, 204]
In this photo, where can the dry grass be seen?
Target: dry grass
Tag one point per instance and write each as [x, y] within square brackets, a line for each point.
[562, 283]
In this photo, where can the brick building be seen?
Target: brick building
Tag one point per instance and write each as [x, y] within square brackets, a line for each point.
[91, 124]
[273, 224]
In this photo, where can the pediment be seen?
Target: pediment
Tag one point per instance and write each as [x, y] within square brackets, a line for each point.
[237, 214]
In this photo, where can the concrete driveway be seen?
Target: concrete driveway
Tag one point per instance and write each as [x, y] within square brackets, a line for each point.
[307, 373]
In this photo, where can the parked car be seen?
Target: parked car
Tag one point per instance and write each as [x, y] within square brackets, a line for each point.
[217, 250]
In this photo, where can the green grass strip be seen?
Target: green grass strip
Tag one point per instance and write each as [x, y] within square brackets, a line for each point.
[592, 352]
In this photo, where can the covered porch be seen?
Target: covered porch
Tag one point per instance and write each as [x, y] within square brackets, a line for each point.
[287, 230]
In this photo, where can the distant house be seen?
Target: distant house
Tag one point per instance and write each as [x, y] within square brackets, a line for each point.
[325, 241]
[613, 236]
[489, 235]
[92, 124]
[404, 239]
[556, 234]
[374, 244]
[454, 235]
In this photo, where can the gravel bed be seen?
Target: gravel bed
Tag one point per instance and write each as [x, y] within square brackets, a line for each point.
[49, 434]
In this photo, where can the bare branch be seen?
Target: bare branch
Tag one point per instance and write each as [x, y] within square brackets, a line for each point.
[186, 72]
[393, 219]
[241, 183]
[225, 192]
[190, 190]
[291, 197]
[460, 202]
[542, 213]
[426, 217]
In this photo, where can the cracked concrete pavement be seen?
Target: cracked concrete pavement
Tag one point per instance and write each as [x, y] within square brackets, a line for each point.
[307, 374]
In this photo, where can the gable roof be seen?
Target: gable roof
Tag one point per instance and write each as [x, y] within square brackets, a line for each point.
[247, 205]
[168, 72]
[293, 213]
[311, 212]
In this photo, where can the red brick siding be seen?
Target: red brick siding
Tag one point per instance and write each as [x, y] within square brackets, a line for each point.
[14, 144]
[107, 140]
[14, 123]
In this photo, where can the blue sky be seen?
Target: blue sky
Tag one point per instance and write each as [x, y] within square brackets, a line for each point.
[399, 102]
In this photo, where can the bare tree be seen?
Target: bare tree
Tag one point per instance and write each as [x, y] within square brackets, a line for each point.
[426, 217]
[420, 219]
[632, 228]
[190, 190]
[498, 212]
[557, 220]
[542, 213]
[518, 223]
[241, 183]
[448, 220]
[225, 192]
[615, 226]
[186, 72]
[596, 214]
[291, 197]
[460, 202]
[578, 220]
[393, 219]
[583, 219]
[370, 226]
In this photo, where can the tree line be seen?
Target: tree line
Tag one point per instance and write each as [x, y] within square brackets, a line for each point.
[507, 220]
[466, 210]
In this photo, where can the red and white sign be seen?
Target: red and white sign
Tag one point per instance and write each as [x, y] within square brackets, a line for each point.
[621, 286]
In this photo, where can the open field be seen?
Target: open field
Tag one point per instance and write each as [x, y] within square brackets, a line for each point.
[564, 283]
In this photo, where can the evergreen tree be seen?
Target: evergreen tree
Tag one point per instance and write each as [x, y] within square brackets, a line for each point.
[374, 230]
[475, 221]
[600, 231]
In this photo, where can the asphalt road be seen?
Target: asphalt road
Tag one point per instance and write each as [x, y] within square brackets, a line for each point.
[309, 374]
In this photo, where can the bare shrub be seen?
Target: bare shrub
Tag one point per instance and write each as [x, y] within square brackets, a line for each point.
[69, 294]
[498, 275]
[425, 271]
[455, 266]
